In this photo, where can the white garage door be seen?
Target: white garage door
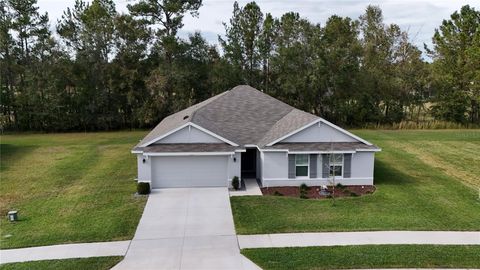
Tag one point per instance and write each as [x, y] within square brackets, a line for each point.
[192, 171]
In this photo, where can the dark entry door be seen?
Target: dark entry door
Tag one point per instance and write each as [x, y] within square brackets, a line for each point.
[249, 163]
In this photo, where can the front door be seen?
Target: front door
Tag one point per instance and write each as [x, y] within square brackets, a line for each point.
[249, 163]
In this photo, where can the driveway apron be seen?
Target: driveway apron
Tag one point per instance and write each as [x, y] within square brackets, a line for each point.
[186, 228]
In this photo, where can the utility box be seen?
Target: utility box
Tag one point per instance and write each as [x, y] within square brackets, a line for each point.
[12, 215]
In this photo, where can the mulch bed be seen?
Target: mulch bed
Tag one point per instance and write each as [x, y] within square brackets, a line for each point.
[314, 191]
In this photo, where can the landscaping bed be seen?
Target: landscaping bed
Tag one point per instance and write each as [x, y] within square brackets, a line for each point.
[316, 192]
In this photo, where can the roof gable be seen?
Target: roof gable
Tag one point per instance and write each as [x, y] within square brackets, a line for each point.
[290, 123]
[189, 134]
[319, 131]
[241, 116]
[174, 121]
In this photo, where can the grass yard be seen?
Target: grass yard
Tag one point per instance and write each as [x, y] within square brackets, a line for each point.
[374, 256]
[67, 188]
[425, 179]
[97, 263]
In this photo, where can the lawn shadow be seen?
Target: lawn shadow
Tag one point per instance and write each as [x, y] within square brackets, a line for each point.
[386, 174]
[10, 152]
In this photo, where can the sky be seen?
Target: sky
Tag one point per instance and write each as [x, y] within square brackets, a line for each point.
[419, 18]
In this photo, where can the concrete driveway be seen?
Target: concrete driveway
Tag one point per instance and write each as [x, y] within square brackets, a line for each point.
[186, 228]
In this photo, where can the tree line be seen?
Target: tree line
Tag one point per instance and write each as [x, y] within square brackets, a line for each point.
[103, 70]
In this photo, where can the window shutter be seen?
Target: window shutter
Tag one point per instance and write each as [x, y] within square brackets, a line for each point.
[347, 165]
[313, 166]
[325, 166]
[291, 166]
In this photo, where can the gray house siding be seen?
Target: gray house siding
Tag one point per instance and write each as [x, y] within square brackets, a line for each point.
[313, 166]
[189, 135]
[275, 165]
[144, 172]
[363, 164]
[347, 165]
[276, 171]
[258, 169]
[234, 166]
[319, 132]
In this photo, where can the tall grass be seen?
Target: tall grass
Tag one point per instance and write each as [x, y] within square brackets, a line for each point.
[430, 124]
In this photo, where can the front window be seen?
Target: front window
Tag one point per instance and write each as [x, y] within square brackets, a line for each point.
[336, 165]
[301, 165]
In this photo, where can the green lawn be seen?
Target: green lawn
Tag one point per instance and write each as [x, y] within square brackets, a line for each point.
[426, 180]
[374, 256]
[97, 263]
[68, 188]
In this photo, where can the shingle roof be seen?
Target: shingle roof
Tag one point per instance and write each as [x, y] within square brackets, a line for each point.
[176, 120]
[323, 146]
[292, 121]
[187, 147]
[245, 115]
[242, 115]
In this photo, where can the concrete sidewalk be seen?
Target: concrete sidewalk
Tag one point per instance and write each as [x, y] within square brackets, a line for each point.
[358, 238]
[251, 189]
[68, 251]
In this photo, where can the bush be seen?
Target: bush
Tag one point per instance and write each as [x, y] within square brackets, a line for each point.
[304, 187]
[276, 193]
[340, 186]
[143, 188]
[303, 191]
[236, 183]
[353, 194]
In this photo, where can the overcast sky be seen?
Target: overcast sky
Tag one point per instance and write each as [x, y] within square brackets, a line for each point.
[419, 18]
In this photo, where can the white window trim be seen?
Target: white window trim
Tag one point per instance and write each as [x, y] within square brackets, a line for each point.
[308, 168]
[336, 164]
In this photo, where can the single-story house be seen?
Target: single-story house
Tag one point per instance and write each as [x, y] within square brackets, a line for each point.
[246, 133]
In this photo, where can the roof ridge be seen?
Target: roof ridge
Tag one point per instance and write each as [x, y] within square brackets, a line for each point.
[273, 126]
[281, 119]
[210, 100]
[263, 93]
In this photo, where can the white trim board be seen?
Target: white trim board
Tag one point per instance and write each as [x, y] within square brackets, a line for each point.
[169, 154]
[261, 150]
[317, 179]
[369, 150]
[320, 120]
[321, 152]
[273, 150]
[186, 125]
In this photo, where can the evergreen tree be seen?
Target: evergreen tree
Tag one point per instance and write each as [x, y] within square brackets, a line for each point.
[456, 66]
